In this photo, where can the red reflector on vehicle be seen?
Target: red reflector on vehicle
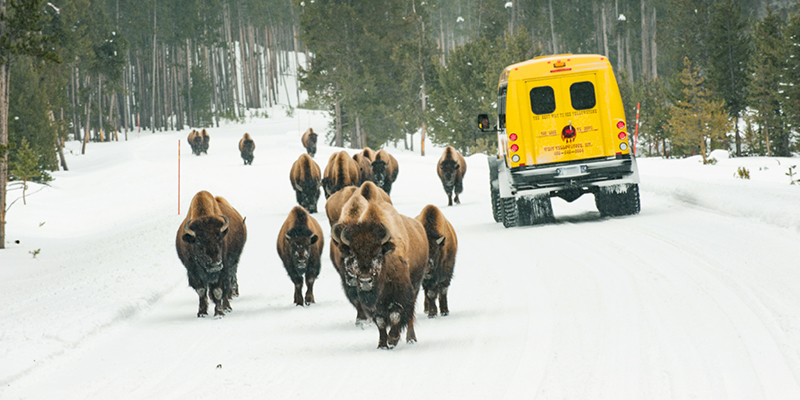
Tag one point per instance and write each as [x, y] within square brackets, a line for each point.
[512, 137]
[622, 136]
[620, 124]
[521, 164]
[514, 147]
[561, 70]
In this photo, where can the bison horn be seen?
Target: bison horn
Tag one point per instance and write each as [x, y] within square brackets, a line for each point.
[386, 237]
[227, 223]
[298, 187]
[335, 230]
[186, 228]
[343, 237]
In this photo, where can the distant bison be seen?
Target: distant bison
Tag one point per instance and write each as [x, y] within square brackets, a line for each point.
[364, 167]
[309, 140]
[383, 256]
[305, 179]
[451, 169]
[206, 141]
[246, 147]
[384, 170]
[442, 247]
[368, 190]
[209, 243]
[300, 244]
[195, 140]
[341, 171]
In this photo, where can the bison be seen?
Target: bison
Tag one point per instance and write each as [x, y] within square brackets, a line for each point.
[300, 244]
[305, 179]
[246, 147]
[384, 170]
[383, 256]
[341, 171]
[309, 140]
[442, 247]
[364, 167]
[451, 169]
[195, 142]
[368, 190]
[206, 140]
[209, 243]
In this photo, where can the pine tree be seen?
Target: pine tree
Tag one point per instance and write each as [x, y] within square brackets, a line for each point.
[766, 91]
[26, 166]
[730, 53]
[696, 119]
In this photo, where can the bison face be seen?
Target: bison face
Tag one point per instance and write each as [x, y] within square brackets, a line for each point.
[300, 249]
[379, 175]
[363, 247]
[449, 171]
[205, 239]
[435, 245]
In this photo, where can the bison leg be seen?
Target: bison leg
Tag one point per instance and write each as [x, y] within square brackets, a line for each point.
[411, 336]
[298, 290]
[449, 192]
[382, 336]
[430, 302]
[202, 309]
[309, 289]
[361, 316]
[458, 189]
[219, 300]
[443, 301]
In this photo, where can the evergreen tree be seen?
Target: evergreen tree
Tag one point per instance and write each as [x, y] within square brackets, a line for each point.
[730, 53]
[695, 119]
[766, 91]
[792, 99]
[25, 167]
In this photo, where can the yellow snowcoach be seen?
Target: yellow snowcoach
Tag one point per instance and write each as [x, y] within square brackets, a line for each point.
[561, 132]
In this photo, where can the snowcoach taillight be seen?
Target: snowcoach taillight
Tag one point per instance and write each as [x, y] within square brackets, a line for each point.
[515, 158]
[514, 147]
[512, 137]
[620, 125]
[623, 146]
[622, 136]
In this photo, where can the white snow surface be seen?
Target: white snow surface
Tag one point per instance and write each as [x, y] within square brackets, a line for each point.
[696, 297]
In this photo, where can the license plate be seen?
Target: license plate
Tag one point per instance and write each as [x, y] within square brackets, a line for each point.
[570, 171]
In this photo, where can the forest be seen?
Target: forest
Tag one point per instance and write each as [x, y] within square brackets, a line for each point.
[704, 74]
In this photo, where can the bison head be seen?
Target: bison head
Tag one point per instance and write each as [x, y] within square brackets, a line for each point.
[435, 244]
[300, 239]
[363, 247]
[205, 238]
[449, 171]
[379, 173]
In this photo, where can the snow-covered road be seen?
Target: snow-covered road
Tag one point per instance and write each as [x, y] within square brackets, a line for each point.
[696, 297]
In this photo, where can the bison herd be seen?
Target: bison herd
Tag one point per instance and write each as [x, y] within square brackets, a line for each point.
[383, 258]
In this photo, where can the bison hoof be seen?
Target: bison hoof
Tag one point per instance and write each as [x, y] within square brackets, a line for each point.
[411, 341]
[445, 313]
[202, 315]
[431, 315]
[362, 323]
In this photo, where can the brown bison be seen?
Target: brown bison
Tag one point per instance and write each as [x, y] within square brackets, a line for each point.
[368, 153]
[384, 256]
[309, 140]
[300, 244]
[305, 179]
[350, 212]
[209, 243]
[205, 142]
[384, 170]
[195, 142]
[364, 167]
[442, 247]
[451, 169]
[246, 147]
[341, 171]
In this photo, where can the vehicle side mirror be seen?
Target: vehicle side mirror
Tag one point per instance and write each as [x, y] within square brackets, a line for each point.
[483, 122]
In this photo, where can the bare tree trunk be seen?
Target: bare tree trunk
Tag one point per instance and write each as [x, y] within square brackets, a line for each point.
[645, 55]
[653, 47]
[553, 29]
[628, 61]
[4, 78]
[355, 138]
[155, 53]
[339, 137]
[100, 106]
[87, 134]
[618, 35]
[605, 29]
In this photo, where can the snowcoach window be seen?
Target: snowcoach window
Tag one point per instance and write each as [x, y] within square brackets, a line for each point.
[582, 95]
[543, 100]
[501, 106]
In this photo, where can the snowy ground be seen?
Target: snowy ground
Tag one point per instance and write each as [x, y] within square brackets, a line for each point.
[696, 297]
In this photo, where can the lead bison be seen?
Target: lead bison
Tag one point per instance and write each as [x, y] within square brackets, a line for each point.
[246, 147]
[309, 141]
[305, 179]
[300, 244]
[383, 256]
[209, 243]
[442, 248]
[451, 169]
[384, 170]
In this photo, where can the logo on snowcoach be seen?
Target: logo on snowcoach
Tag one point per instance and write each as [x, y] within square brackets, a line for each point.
[569, 133]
